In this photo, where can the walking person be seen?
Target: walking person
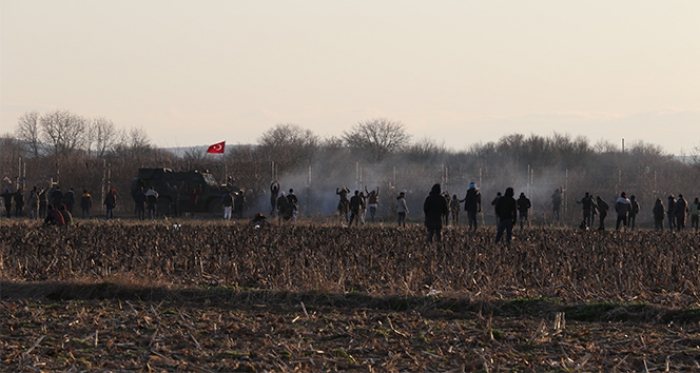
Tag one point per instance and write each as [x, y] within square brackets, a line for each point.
[86, 203]
[401, 208]
[680, 210]
[634, 210]
[659, 212]
[602, 211]
[434, 208]
[506, 210]
[523, 208]
[622, 207]
[472, 205]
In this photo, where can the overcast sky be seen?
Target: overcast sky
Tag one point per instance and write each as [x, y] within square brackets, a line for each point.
[459, 72]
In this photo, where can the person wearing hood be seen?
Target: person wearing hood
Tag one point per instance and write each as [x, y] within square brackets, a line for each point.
[506, 210]
[659, 214]
[401, 208]
[472, 205]
[435, 207]
[680, 210]
[622, 207]
[603, 211]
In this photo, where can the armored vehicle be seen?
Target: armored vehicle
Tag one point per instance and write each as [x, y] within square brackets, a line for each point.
[172, 187]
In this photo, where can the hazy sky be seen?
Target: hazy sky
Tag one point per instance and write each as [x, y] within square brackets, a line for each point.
[460, 72]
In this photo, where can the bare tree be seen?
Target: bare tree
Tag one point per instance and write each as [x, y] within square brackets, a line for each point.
[289, 145]
[64, 130]
[377, 138]
[29, 132]
[103, 134]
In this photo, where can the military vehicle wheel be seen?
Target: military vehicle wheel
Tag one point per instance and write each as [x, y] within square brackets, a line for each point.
[214, 207]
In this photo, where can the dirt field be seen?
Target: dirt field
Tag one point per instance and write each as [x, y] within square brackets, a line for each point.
[215, 297]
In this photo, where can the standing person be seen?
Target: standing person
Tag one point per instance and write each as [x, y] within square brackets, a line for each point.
[680, 210]
[634, 210]
[448, 199]
[343, 204]
[239, 203]
[193, 197]
[622, 207]
[139, 203]
[227, 204]
[274, 195]
[363, 207]
[602, 211]
[281, 205]
[589, 205]
[86, 203]
[151, 202]
[434, 208]
[401, 208]
[69, 200]
[506, 210]
[356, 206]
[671, 208]
[523, 208]
[56, 197]
[19, 202]
[372, 201]
[7, 199]
[33, 202]
[110, 203]
[659, 214]
[292, 198]
[454, 209]
[556, 205]
[694, 209]
[43, 202]
[472, 205]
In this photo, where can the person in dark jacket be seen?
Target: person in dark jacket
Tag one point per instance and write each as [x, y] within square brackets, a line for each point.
[357, 204]
[556, 204]
[281, 204]
[523, 209]
[680, 210]
[274, 195]
[56, 197]
[435, 208]
[110, 203]
[603, 211]
[472, 205]
[659, 214]
[506, 210]
[86, 203]
[43, 202]
[634, 210]
[671, 207]
[19, 202]
[69, 200]
[494, 202]
[139, 202]
[292, 198]
[589, 206]
[239, 203]
[193, 196]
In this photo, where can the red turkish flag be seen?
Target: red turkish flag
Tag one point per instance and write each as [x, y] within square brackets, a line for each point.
[217, 148]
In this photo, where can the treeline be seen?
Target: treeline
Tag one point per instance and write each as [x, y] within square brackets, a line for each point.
[93, 154]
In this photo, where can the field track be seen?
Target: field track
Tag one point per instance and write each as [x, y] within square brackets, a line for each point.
[208, 296]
